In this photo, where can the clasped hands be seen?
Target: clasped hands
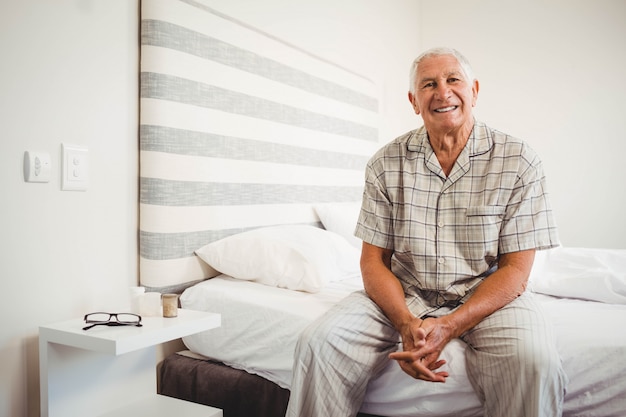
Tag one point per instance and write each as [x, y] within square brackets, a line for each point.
[423, 341]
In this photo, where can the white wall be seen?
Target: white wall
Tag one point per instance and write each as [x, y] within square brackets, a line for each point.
[69, 74]
[551, 72]
[69, 71]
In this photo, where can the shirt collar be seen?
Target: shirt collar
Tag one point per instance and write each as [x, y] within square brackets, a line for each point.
[479, 142]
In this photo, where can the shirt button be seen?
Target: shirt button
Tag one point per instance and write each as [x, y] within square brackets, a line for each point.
[440, 224]
[441, 260]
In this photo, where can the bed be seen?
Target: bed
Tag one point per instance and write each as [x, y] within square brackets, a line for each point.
[252, 153]
[592, 348]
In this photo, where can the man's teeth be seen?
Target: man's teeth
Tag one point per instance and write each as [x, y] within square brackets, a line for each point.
[445, 109]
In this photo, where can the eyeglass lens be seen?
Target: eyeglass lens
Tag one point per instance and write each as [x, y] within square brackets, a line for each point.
[119, 317]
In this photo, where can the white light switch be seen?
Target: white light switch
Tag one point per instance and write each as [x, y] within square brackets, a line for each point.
[37, 166]
[75, 168]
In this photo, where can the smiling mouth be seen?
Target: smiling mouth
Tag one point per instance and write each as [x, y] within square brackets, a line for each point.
[446, 109]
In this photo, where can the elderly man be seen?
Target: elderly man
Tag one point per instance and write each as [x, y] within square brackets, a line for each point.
[451, 217]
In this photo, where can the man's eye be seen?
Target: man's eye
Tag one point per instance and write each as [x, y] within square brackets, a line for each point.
[428, 85]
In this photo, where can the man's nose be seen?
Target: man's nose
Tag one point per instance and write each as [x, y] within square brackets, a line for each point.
[443, 91]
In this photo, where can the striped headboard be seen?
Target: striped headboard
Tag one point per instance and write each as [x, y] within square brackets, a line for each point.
[238, 130]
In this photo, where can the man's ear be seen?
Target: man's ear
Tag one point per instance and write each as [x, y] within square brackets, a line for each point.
[413, 103]
[475, 88]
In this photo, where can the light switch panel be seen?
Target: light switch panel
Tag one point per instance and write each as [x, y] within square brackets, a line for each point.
[75, 176]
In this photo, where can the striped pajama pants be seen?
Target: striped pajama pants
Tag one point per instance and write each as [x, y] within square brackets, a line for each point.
[512, 360]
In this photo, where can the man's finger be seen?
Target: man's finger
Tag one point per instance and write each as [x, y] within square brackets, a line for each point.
[418, 369]
[404, 355]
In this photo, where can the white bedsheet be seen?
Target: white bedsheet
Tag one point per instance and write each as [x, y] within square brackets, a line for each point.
[260, 325]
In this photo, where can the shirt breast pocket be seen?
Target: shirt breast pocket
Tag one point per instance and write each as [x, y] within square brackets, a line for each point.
[483, 224]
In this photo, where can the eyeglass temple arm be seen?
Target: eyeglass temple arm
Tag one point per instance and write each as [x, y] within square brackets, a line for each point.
[112, 323]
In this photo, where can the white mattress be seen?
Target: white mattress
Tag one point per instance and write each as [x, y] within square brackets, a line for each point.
[260, 325]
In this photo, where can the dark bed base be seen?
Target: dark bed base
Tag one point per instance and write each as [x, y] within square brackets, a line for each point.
[236, 392]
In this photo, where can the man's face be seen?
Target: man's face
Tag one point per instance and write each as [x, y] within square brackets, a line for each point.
[444, 97]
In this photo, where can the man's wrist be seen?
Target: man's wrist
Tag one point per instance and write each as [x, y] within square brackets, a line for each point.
[453, 325]
[404, 324]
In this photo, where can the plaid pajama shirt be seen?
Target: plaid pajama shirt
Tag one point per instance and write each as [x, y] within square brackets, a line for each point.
[446, 233]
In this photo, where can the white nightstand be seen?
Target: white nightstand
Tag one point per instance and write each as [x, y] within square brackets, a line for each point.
[111, 371]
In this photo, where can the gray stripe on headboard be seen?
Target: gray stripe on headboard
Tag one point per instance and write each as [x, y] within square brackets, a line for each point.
[187, 142]
[162, 192]
[238, 130]
[181, 90]
[169, 35]
[163, 246]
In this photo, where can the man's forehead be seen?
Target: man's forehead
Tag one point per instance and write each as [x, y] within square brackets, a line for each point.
[429, 74]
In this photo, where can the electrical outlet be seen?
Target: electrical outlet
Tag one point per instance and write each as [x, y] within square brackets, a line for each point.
[37, 166]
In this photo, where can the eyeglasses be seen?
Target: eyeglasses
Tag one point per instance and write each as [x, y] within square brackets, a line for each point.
[112, 319]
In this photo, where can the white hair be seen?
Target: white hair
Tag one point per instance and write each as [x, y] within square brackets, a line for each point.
[439, 51]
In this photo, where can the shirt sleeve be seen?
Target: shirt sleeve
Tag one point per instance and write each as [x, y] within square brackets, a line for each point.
[528, 221]
[375, 225]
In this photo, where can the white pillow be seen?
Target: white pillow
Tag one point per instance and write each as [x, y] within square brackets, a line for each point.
[296, 257]
[589, 274]
[340, 218]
